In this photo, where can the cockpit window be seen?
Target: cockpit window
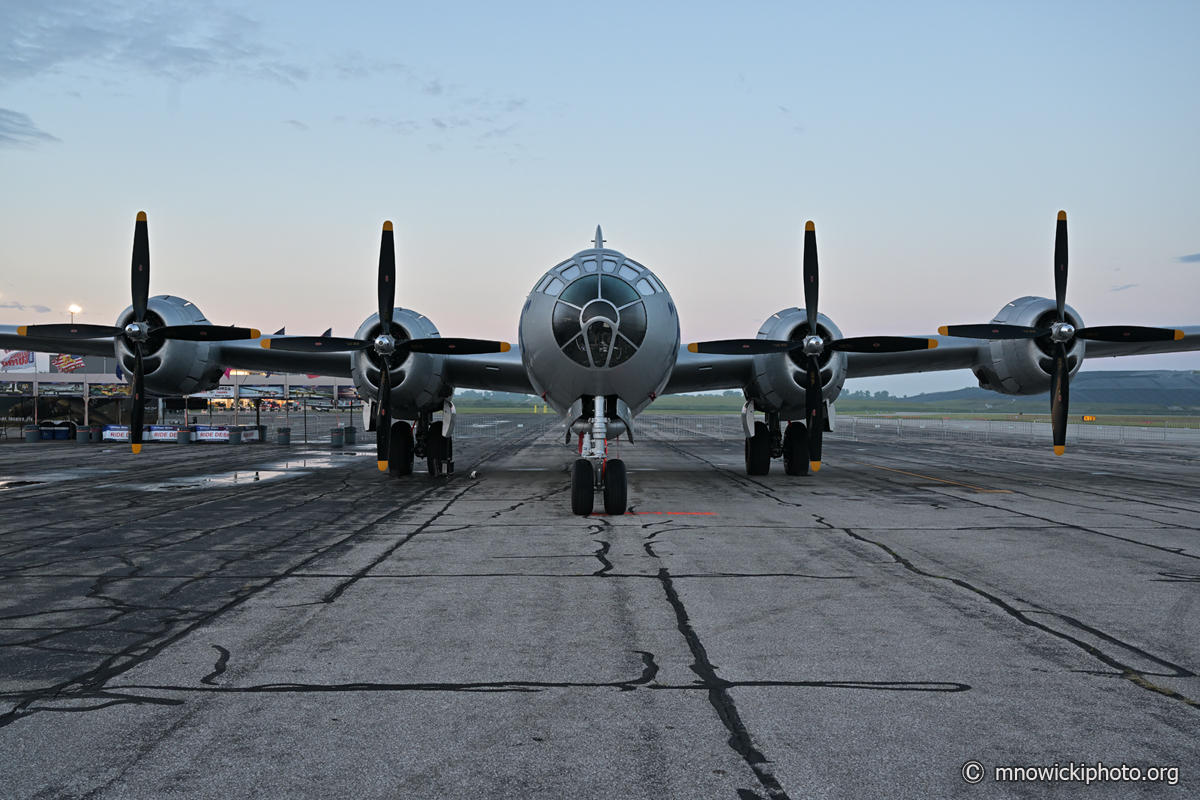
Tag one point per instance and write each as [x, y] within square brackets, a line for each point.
[599, 321]
[617, 291]
[581, 291]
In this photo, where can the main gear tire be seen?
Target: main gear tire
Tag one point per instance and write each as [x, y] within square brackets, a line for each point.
[795, 449]
[583, 487]
[616, 488]
[758, 450]
[400, 450]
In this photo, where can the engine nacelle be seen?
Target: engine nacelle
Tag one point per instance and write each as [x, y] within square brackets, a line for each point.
[1022, 366]
[418, 379]
[170, 367]
[778, 383]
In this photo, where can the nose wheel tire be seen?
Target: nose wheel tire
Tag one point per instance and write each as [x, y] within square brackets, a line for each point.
[795, 449]
[400, 450]
[758, 450]
[583, 487]
[616, 489]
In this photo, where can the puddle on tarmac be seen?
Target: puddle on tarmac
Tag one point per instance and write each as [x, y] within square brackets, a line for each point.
[38, 478]
[9, 484]
[221, 481]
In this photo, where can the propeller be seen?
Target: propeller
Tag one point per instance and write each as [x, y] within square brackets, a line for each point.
[813, 346]
[1060, 333]
[385, 345]
[139, 331]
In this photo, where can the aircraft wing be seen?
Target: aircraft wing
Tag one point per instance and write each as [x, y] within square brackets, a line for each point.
[951, 353]
[498, 372]
[249, 354]
[697, 372]
[1190, 341]
[10, 340]
[494, 372]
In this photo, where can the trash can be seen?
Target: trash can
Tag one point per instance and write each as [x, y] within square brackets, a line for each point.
[337, 437]
[33, 433]
[351, 434]
[83, 435]
[283, 435]
[235, 434]
[97, 435]
[183, 436]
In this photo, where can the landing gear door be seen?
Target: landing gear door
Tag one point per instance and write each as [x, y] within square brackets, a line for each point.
[830, 416]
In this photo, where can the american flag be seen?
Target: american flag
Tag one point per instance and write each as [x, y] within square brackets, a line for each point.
[66, 363]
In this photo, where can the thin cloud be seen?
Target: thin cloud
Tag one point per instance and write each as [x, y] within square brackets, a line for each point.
[177, 40]
[1122, 288]
[297, 124]
[23, 307]
[18, 131]
[1194, 258]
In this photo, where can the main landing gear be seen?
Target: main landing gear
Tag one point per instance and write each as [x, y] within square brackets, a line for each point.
[427, 442]
[770, 441]
[595, 471]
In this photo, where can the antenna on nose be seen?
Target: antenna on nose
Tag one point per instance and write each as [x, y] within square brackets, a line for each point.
[599, 240]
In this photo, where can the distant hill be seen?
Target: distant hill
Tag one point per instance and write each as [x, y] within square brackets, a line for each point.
[1161, 388]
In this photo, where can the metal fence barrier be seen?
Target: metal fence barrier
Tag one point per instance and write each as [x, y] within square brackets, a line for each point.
[978, 430]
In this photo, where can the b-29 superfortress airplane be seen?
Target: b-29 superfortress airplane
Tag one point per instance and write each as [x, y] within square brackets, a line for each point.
[599, 342]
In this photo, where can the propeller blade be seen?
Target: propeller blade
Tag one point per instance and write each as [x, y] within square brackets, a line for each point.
[743, 347]
[1060, 379]
[1128, 333]
[206, 333]
[387, 278]
[810, 275]
[315, 344]
[140, 281]
[881, 344]
[383, 426]
[453, 347]
[1060, 266]
[814, 417]
[993, 331]
[69, 331]
[137, 409]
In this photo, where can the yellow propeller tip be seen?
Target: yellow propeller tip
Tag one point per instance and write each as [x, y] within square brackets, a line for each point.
[932, 343]
[21, 330]
[808, 226]
[137, 448]
[815, 466]
[141, 216]
[1059, 449]
[1062, 216]
[387, 224]
[692, 348]
[944, 330]
[255, 333]
[505, 347]
[382, 465]
[1178, 335]
[266, 343]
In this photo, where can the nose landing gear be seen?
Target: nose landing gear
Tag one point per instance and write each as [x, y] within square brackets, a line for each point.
[595, 471]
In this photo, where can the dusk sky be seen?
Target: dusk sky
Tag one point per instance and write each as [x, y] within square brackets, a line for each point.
[932, 144]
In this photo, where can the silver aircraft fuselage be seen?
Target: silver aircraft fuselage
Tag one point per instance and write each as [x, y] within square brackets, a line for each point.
[600, 325]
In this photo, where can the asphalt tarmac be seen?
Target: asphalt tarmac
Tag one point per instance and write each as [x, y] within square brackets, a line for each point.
[217, 621]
